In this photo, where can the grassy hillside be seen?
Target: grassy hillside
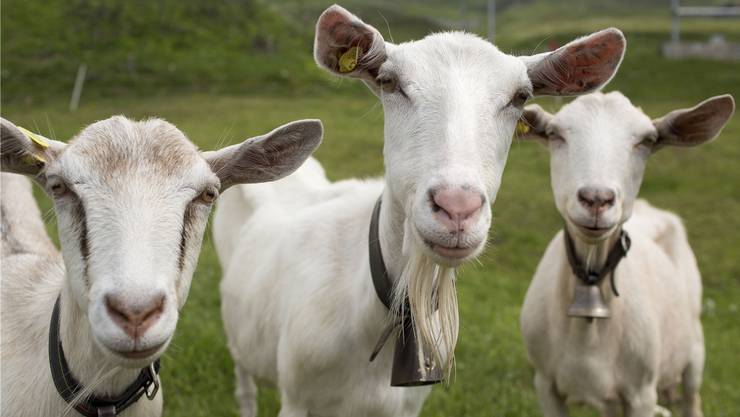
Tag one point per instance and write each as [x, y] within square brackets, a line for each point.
[493, 377]
[141, 48]
[137, 48]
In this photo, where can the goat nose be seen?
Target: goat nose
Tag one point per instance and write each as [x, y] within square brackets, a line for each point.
[596, 199]
[456, 208]
[135, 318]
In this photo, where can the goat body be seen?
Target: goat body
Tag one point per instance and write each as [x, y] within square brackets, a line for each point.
[289, 298]
[653, 339]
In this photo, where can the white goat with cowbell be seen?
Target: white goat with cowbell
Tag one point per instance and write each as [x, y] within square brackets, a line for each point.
[132, 200]
[451, 103]
[652, 339]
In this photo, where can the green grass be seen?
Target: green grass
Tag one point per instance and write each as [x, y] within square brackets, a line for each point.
[493, 376]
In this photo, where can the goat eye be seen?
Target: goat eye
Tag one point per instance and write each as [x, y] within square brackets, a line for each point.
[390, 85]
[555, 137]
[647, 142]
[58, 188]
[209, 195]
[519, 99]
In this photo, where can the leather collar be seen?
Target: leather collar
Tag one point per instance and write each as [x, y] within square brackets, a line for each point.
[616, 253]
[93, 406]
[407, 370]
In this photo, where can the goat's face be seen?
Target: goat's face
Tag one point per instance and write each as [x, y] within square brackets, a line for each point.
[451, 104]
[132, 201]
[599, 145]
[449, 120]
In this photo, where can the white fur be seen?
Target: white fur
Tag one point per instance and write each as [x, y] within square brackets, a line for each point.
[653, 339]
[133, 190]
[298, 302]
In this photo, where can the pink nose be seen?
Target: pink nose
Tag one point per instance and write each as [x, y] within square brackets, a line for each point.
[456, 208]
[596, 199]
[135, 319]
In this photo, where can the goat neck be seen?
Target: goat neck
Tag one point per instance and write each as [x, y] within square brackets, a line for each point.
[593, 254]
[391, 233]
[89, 365]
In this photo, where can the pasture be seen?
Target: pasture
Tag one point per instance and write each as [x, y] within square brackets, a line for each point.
[492, 376]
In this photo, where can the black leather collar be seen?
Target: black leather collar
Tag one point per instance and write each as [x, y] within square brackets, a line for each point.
[93, 406]
[616, 253]
[406, 369]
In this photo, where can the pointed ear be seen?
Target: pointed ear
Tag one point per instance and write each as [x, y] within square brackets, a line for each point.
[25, 152]
[582, 66]
[697, 125]
[268, 157]
[348, 47]
[534, 123]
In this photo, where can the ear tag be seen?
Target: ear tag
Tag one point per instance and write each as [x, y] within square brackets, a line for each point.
[33, 159]
[39, 141]
[348, 60]
[521, 128]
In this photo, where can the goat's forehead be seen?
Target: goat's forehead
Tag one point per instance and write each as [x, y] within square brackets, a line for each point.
[119, 148]
[595, 112]
[462, 53]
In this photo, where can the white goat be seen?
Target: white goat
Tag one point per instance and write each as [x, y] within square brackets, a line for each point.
[599, 145]
[451, 103]
[132, 200]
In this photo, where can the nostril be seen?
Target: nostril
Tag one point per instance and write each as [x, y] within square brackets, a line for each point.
[116, 309]
[609, 197]
[586, 197]
[155, 310]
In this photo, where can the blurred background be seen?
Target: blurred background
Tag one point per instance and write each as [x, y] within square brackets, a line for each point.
[229, 69]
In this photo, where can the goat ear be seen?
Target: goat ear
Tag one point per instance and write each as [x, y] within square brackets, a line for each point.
[268, 157]
[582, 66]
[534, 123]
[346, 46]
[25, 152]
[697, 125]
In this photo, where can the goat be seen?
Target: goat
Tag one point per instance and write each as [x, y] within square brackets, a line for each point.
[451, 102]
[132, 200]
[599, 146]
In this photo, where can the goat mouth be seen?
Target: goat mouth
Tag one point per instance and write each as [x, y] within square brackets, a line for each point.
[593, 230]
[139, 353]
[450, 252]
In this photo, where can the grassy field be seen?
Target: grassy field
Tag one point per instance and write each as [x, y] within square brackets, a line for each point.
[493, 377]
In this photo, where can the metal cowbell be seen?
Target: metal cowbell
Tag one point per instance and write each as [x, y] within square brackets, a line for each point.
[588, 302]
[413, 366]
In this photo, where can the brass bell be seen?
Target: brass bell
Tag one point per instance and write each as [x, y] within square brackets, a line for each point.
[588, 302]
[412, 365]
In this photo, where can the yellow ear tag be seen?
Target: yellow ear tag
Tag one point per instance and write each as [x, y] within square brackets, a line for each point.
[33, 159]
[348, 60]
[521, 128]
[36, 139]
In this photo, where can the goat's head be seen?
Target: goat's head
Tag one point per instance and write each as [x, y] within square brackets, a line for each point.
[451, 102]
[599, 145]
[132, 201]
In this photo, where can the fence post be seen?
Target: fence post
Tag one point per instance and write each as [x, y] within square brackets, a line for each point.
[676, 24]
[74, 101]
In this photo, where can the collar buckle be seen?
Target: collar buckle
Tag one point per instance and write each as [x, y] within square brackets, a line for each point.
[152, 383]
[623, 239]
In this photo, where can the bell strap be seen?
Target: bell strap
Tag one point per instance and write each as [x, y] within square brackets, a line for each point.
[616, 253]
[381, 280]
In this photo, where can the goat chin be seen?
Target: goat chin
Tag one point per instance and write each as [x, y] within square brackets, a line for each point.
[429, 287]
